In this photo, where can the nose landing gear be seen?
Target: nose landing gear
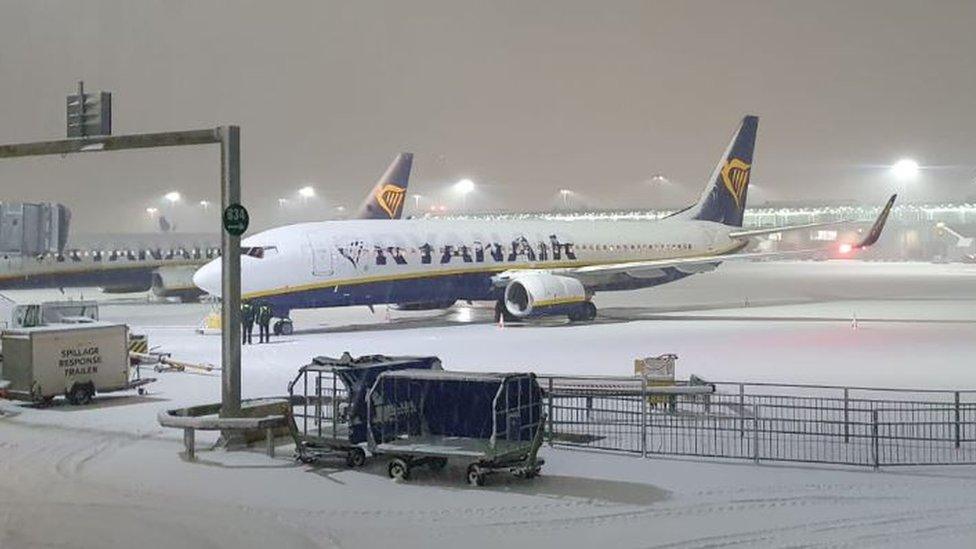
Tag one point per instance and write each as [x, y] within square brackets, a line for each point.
[283, 327]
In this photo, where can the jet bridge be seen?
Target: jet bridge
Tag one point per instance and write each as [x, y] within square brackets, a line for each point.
[28, 229]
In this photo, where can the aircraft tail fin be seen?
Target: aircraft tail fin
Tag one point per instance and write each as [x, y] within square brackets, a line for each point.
[724, 198]
[386, 199]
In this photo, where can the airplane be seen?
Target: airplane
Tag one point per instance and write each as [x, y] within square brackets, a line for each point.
[169, 272]
[529, 268]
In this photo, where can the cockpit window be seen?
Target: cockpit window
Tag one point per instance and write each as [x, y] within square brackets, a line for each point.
[259, 251]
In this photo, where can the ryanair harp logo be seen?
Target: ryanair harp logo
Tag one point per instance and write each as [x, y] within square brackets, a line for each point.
[390, 197]
[735, 175]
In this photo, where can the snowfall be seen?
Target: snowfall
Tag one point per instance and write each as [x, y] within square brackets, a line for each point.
[107, 475]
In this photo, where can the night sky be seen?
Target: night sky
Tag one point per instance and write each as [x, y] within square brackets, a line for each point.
[525, 98]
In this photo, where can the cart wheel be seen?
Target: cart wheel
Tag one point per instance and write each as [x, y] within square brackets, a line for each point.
[356, 457]
[437, 464]
[476, 476]
[81, 393]
[141, 391]
[399, 469]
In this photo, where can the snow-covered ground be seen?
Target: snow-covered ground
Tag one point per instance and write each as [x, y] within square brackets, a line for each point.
[109, 476]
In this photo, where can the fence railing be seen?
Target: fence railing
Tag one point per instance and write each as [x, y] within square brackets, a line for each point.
[866, 426]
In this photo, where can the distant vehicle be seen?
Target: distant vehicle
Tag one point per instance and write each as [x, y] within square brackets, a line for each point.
[962, 249]
[30, 315]
[167, 273]
[529, 268]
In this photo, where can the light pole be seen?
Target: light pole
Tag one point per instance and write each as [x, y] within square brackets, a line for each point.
[565, 194]
[173, 197]
[905, 169]
[464, 186]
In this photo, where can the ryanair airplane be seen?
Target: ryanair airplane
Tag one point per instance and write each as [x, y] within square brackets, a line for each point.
[529, 268]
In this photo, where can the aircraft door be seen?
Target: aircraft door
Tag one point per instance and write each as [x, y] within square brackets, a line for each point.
[321, 254]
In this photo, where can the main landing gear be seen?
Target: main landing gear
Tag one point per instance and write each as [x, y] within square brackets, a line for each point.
[585, 312]
[501, 312]
[283, 327]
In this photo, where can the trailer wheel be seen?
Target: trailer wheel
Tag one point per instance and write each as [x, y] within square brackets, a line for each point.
[81, 393]
[476, 476]
[399, 469]
[356, 457]
[437, 464]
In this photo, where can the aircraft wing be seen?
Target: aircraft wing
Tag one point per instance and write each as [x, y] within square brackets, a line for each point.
[656, 268]
[787, 228]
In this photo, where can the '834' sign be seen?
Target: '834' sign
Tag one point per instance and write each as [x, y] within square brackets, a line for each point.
[236, 219]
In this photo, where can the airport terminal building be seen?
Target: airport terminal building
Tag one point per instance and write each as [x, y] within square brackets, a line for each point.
[941, 232]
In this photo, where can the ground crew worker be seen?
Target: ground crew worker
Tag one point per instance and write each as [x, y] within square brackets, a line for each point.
[264, 323]
[247, 322]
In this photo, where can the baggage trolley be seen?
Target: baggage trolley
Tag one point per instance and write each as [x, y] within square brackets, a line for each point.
[328, 399]
[492, 422]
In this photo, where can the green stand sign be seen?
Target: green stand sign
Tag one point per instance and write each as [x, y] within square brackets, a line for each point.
[236, 219]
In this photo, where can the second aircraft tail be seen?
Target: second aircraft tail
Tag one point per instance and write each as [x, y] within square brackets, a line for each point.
[386, 199]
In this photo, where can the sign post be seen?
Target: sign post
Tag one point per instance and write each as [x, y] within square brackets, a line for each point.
[89, 130]
[235, 221]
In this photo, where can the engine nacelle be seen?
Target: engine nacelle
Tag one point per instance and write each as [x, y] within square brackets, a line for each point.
[175, 281]
[542, 294]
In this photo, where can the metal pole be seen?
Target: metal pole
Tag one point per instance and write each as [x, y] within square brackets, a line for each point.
[189, 442]
[550, 413]
[846, 410]
[230, 263]
[81, 107]
[742, 410]
[755, 434]
[874, 438]
[958, 433]
[643, 430]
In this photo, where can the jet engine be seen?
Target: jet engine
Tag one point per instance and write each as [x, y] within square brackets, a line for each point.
[543, 294]
[175, 281]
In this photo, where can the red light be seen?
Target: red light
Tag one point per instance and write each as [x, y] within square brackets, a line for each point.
[845, 249]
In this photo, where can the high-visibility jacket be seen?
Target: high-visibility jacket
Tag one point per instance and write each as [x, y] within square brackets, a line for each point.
[247, 313]
[264, 314]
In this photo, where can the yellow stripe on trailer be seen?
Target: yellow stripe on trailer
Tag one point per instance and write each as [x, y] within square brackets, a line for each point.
[138, 343]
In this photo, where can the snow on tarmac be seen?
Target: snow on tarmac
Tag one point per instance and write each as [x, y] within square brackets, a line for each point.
[109, 476]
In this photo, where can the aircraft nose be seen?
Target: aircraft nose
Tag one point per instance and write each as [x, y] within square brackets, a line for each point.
[207, 278]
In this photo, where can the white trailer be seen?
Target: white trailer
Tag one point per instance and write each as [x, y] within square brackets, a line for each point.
[74, 360]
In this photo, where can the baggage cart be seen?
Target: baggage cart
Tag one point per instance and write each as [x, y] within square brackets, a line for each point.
[492, 422]
[328, 399]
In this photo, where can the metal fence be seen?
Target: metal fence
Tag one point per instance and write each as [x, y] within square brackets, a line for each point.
[764, 422]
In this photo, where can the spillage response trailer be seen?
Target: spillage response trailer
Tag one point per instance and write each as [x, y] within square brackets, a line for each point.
[75, 360]
[494, 422]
